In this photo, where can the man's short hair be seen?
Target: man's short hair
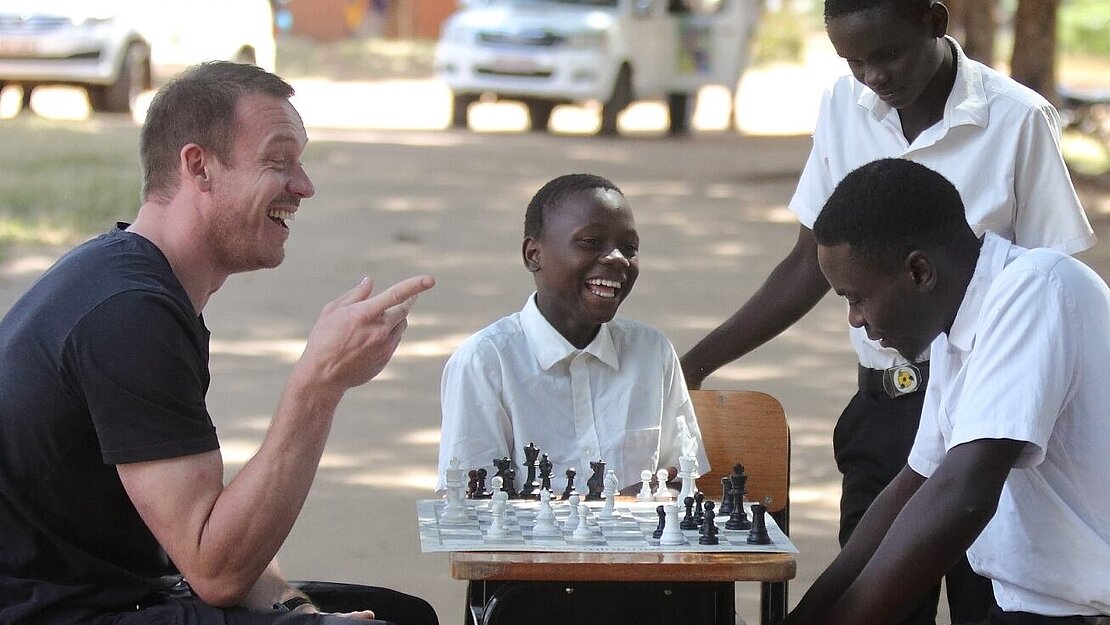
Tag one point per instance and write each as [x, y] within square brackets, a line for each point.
[888, 208]
[197, 107]
[554, 192]
[912, 9]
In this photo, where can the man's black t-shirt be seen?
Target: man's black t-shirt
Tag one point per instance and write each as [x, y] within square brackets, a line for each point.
[102, 362]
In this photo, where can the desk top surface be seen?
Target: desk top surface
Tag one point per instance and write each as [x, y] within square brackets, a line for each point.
[639, 566]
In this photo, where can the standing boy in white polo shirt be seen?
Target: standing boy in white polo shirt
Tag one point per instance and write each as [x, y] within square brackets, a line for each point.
[1010, 459]
[912, 94]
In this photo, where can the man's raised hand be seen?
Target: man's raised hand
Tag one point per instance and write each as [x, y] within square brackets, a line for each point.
[356, 334]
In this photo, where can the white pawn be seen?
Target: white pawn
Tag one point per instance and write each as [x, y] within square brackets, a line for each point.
[545, 518]
[612, 487]
[583, 529]
[672, 533]
[497, 510]
[573, 520]
[662, 493]
[645, 486]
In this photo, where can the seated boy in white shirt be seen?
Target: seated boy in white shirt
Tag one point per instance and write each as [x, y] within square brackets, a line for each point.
[563, 373]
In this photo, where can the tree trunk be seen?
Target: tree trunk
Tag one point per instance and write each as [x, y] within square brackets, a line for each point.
[972, 23]
[1033, 63]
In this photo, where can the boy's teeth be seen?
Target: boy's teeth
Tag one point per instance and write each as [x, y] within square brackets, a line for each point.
[281, 214]
[602, 282]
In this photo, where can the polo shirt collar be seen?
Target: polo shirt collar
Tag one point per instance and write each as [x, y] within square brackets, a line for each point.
[992, 260]
[967, 102]
[549, 347]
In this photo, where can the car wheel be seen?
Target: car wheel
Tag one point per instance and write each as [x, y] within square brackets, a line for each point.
[679, 109]
[621, 98]
[460, 103]
[539, 113]
[130, 82]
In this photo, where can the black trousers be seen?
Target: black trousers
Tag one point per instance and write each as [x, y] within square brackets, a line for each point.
[871, 443]
[390, 606]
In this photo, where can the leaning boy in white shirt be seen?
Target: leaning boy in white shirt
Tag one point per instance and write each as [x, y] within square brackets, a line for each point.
[563, 373]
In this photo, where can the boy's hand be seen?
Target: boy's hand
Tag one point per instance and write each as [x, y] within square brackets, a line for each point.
[356, 335]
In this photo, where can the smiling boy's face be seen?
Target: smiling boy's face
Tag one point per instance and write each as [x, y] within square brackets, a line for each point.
[585, 262]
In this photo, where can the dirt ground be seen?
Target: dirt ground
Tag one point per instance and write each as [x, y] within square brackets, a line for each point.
[711, 210]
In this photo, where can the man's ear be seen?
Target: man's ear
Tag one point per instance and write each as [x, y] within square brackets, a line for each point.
[938, 20]
[530, 250]
[922, 271]
[195, 164]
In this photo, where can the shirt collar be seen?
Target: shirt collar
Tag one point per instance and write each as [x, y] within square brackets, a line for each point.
[992, 259]
[549, 347]
[966, 104]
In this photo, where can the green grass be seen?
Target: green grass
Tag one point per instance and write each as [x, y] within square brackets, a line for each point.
[61, 181]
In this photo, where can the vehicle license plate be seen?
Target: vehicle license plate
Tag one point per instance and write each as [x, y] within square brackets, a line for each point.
[514, 64]
[16, 47]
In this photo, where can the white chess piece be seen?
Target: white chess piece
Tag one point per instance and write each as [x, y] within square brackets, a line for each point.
[645, 486]
[686, 465]
[672, 533]
[662, 493]
[545, 517]
[612, 487]
[583, 528]
[573, 520]
[497, 510]
[455, 508]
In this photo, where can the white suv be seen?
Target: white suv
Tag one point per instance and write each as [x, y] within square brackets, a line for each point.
[118, 48]
[549, 52]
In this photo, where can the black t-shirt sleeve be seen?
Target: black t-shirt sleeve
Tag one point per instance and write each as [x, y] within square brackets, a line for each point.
[140, 362]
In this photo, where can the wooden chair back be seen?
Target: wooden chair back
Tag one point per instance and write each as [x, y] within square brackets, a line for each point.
[746, 427]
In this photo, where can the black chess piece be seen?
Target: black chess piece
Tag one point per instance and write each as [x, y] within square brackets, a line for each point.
[569, 490]
[507, 473]
[530, 488]
[480, 492]
[471, 483]
[758, 534]
[596, 484]
[709, 529]
[739, 480]
[726, 498]
[699, 510]
[738, 520]
[662, 521]
[545, 473]
[688, 522]
[708, 506]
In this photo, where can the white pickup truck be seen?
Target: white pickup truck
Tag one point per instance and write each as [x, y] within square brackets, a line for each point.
[550, 52]
[117, 48]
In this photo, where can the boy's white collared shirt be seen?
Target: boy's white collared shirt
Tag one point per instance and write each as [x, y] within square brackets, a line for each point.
[619, 399]
[997, 143]
[1025, 360]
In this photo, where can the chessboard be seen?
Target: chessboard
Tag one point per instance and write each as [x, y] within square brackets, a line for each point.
[630, 532]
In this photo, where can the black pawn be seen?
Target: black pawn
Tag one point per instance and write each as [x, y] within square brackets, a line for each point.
[726, 496]
[481, 492]
[709, 529]
[658, 533]
[688, 522]
[758, 534]
[708, 506]
[699, 514]
[471, 484]
[569, 490]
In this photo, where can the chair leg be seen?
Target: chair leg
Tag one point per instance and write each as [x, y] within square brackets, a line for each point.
[772, 603]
